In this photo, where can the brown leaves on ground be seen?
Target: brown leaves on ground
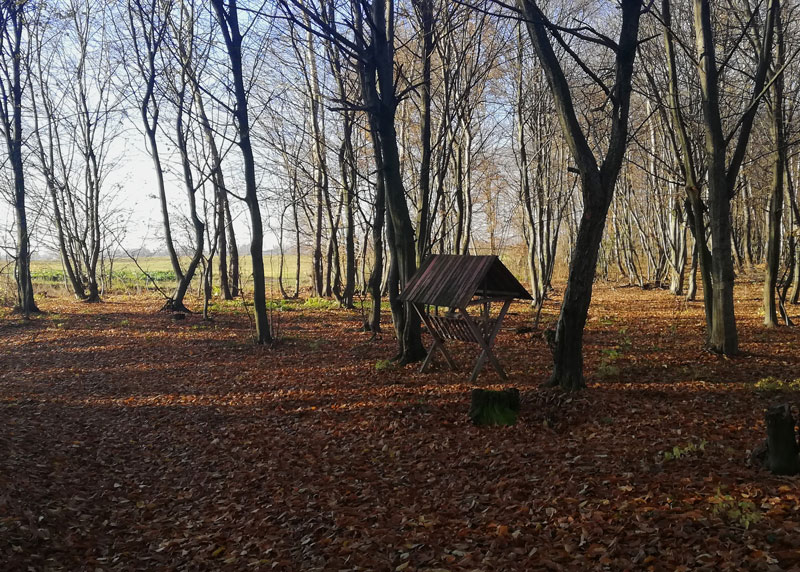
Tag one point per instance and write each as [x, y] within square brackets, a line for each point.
[131, 441]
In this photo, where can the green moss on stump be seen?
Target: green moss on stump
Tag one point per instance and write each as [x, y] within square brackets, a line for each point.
[494, 407]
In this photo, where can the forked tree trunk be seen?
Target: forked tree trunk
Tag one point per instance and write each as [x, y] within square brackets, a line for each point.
[722, 175]
[176, 302]
[378, 88]
[597, 181]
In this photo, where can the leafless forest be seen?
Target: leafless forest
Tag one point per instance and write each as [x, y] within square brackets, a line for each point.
[653, 143]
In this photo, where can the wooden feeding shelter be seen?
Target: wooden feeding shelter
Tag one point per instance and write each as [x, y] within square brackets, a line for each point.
[455, 282]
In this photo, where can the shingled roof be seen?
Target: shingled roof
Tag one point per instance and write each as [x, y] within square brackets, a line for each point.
[452, 280]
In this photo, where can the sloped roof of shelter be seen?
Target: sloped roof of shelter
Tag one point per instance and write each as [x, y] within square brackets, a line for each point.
[452, 280]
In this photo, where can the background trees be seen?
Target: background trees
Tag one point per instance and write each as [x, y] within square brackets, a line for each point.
[366, 135]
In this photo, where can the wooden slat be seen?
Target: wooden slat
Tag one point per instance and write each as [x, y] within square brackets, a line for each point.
[452, 280]
[456, 328]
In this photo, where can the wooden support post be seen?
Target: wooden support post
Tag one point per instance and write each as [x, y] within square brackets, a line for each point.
[486, 343]
[438, 343]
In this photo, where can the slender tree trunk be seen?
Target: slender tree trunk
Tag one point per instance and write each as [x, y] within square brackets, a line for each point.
[222, 247]
[795, 233]
[376, 276]
[228, 20]
[176, 303]
[233, 250]
[748, 222]
[695, 209]
[776, 196]
[691, 290]
[424, 9]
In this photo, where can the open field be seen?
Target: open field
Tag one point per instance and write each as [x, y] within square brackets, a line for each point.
[134, 442]
[128, 278]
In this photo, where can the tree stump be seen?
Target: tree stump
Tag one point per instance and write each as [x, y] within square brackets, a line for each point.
[494, 407]
[782, 448]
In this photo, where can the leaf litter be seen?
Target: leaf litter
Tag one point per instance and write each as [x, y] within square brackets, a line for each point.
[132, 442]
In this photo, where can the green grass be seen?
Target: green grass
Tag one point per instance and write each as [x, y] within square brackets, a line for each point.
[315, 303]
[126, 273]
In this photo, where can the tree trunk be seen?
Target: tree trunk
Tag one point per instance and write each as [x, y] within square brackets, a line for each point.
[691, 289]
[162, 197]
[597, 181]
[568, 353]
[378, 86]
[723, 337]
[233, 251]
[775, 213]
[12, 32]
[229, 23]
[424, 9]
[176, 302]
[376, 276]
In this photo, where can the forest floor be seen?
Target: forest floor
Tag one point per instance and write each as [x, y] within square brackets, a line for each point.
[134, 442]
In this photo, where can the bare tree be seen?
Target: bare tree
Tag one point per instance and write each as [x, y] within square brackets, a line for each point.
[723, 167]
[12, 60]
[597, 179]
[227, 15]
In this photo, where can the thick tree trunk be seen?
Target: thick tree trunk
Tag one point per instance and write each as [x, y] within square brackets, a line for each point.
[723, 337]
[378, 87]
[678, 249]
[403, 251]
[568, 353]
